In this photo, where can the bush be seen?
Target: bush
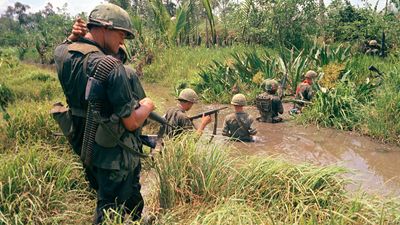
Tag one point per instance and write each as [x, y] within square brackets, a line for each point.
[6, 96]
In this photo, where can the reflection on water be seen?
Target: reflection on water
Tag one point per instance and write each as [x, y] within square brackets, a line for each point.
[375, 167]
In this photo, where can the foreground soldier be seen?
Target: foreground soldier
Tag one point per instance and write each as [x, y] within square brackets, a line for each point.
[177, 117]
[237, 125]
[268, 104]
[111, 157]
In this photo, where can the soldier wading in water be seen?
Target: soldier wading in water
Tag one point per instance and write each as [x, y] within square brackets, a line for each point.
[177, 118]
[268, 104]
[238, 125]
[105, 115]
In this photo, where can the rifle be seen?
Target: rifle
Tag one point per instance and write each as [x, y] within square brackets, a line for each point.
[154, 116]
[213, 111]
[206, 113]
[374, 69]
[297, 101]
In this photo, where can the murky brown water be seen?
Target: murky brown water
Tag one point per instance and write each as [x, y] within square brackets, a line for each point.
[375, 166]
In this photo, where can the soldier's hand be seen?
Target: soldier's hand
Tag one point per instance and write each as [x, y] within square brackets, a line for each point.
[79, 29]
[147, 102]
[205, 119]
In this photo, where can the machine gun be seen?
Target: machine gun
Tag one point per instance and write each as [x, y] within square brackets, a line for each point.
[297, 101]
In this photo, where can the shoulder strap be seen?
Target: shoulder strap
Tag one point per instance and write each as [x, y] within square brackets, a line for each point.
[83, 48]
[241, 124]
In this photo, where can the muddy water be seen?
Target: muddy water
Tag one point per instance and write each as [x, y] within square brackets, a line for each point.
[375, 167]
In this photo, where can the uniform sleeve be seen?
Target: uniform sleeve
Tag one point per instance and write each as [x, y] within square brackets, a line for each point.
[252, 130]
[225, 130]
[279, 105]
[184, 122]
[119, 92]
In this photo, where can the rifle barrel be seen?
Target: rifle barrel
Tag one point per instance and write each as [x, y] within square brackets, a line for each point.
[206, 113]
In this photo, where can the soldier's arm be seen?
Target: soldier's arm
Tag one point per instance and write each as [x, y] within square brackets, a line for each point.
[252, 130]
[205, 120]
[225, 130]
[139, 115]
[132, 113]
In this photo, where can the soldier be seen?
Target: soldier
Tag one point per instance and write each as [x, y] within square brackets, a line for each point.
[179, 120]
[237, 125]
[79, 29]
[110, 154]
[268, 104]
[372, 48]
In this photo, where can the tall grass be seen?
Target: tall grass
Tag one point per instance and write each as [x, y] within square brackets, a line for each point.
[204, 184]
[42, 185]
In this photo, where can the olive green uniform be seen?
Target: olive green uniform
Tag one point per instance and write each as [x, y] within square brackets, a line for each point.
[238, 126]
[269, 106]
[180, 122]
[114, 172]
[304, 92]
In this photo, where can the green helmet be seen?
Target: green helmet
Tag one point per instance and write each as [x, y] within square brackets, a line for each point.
[311, 74]
[189, 95]
[111, 16]
[373, 43]
[239, 99]
[270, 85]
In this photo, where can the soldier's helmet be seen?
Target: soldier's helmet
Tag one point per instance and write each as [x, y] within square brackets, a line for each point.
[373, 43]
[311, 74]
[270, 85]
[239, 99]
[189, 95]
[112, 17]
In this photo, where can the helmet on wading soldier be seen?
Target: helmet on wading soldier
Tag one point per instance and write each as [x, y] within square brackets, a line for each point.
[188, 95]
[112, 17]
[311, 74]
[373, 43]
[239, 100]
[270, 85]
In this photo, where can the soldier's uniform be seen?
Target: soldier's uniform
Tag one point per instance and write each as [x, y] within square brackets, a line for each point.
[114, 171]
[176, 117]
[269, 106]
[238, 126]
[304, 91]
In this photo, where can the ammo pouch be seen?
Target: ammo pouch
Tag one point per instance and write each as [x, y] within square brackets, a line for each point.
[109, 133]
[63, 116]
[103, 136]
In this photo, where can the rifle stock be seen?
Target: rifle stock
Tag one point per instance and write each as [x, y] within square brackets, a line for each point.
[206, 113]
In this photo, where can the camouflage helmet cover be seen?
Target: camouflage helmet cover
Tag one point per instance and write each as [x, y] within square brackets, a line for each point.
[373, 43]
[189, 95]
[239, 99]
[270, 85]
[311, 74]
[113, 17]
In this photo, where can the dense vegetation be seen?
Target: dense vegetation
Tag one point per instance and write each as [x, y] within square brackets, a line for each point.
[192, 182]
